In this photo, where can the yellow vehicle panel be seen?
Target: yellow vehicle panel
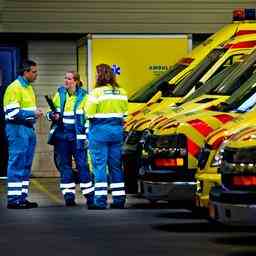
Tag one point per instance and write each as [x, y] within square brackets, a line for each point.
[221, 37]
[204, 184]
[142, 120]
[245, 138]
[159, 103]
[152, 121]
[217, 39]
[191, 128]
[199, 126]
[133, 117]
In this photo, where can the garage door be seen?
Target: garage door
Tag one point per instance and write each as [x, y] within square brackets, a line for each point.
[54, 58]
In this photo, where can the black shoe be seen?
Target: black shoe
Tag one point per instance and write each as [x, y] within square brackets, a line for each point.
[95, 207]
[25, 205]
[31, 204]
[117, 206]
[70, 203]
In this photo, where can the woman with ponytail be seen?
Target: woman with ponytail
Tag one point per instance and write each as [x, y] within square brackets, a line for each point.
[69, 138]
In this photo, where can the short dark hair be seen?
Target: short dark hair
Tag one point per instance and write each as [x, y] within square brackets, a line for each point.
[26, 66]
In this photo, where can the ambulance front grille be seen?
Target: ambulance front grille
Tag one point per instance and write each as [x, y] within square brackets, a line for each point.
[242, 155]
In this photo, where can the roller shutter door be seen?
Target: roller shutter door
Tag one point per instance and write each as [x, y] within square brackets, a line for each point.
[119, 16]
[54, 58]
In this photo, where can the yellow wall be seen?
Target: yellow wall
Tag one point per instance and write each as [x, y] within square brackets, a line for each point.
[140, 59]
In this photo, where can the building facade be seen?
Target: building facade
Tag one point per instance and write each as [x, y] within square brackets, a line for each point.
[52, 33]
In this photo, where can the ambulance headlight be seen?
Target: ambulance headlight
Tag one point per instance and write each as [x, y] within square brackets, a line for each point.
[241, 160]
[217, 160]
[146, 135]
[145, 140]
[199, 186]
[171, 145]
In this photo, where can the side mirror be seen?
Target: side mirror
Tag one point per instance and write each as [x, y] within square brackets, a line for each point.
[155, 98]
[166, 89]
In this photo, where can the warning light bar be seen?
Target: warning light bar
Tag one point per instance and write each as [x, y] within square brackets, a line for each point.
[244, 14]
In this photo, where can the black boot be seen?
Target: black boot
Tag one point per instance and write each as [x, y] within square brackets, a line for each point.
[95, 207]
[32, 204]
[117, 206]
[70, 203]
[24, 205]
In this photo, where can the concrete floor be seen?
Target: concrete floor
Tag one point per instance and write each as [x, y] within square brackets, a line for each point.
[46, 192]
[141, 229]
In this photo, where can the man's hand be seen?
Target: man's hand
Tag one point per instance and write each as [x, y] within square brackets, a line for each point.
[55, 117]
[39, 113]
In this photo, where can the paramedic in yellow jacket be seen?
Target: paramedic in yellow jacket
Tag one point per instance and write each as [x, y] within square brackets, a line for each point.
[69, 138]
[20, 115]
[106, 108]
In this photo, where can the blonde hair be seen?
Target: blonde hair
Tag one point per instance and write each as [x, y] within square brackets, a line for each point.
[76, 77]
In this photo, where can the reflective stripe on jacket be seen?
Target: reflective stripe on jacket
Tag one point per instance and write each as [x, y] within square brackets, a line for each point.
[107, 104]
[73, 114]
[20, 102]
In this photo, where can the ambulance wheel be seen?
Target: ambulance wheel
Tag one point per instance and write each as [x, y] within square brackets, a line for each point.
[130, 174]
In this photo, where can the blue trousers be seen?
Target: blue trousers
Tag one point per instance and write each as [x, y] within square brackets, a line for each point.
[65, 150]
[106, 160]
[21, 148]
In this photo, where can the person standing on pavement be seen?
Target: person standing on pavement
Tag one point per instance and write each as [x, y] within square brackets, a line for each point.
[68, 136]
[106, 108]
[4, 147]
[21, 114]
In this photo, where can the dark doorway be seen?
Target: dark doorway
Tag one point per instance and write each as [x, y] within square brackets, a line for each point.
[9, 60]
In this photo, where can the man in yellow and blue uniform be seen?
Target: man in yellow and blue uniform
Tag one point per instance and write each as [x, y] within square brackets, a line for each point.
[106, 108]
[70, 140]
[20, 115]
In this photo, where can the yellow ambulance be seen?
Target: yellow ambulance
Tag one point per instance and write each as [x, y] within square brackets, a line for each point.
[209, 161]
[234, 201]
[217, 89]
[202, 77]
[239, 48]
[243, 23]
[171, 151]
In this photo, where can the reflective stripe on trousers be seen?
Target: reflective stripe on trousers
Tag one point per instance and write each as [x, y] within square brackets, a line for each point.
[103, 154]
[21, 148]
[64, 151]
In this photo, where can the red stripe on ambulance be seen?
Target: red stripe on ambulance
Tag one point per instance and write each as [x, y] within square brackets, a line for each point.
[201, 126]
[245, 32]
[193, 148]
[224, 118]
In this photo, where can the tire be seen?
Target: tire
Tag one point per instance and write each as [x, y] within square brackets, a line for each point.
[130, 174]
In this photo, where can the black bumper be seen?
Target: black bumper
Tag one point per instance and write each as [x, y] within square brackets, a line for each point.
[169, 175]
[218, 194]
